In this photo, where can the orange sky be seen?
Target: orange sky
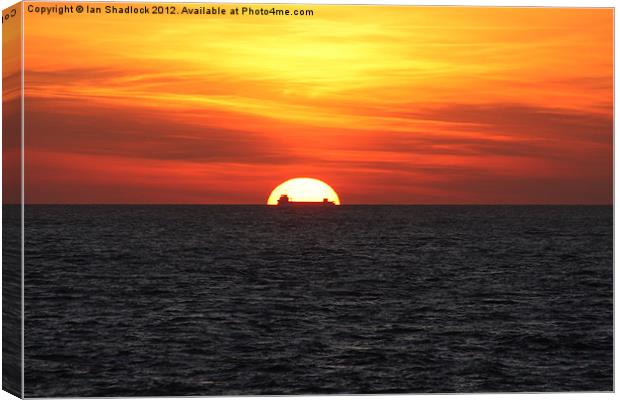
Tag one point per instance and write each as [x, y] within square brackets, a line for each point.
[11, 106]
[398, 105]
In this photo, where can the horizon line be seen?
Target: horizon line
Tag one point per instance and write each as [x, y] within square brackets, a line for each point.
[340, 205]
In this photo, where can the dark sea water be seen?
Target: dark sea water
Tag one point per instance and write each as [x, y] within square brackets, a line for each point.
[223, 300]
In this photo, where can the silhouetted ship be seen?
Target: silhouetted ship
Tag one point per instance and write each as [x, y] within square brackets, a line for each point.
[284, 201]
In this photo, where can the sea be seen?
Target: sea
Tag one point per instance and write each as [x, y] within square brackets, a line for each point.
[257, 300]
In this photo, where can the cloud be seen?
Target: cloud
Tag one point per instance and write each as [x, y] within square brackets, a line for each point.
[142, 133]
[523, 121]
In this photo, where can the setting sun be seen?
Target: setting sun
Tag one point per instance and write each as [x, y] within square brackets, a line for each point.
[304, 190]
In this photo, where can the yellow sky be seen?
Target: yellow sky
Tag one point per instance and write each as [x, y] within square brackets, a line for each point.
[402, 96]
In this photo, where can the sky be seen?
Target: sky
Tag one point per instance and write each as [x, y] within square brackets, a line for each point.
[388, 105]
[11, 106]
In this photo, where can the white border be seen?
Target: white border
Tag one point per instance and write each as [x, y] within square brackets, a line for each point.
[503, 3]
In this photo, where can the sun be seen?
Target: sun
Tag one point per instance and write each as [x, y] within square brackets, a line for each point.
[304, 189]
